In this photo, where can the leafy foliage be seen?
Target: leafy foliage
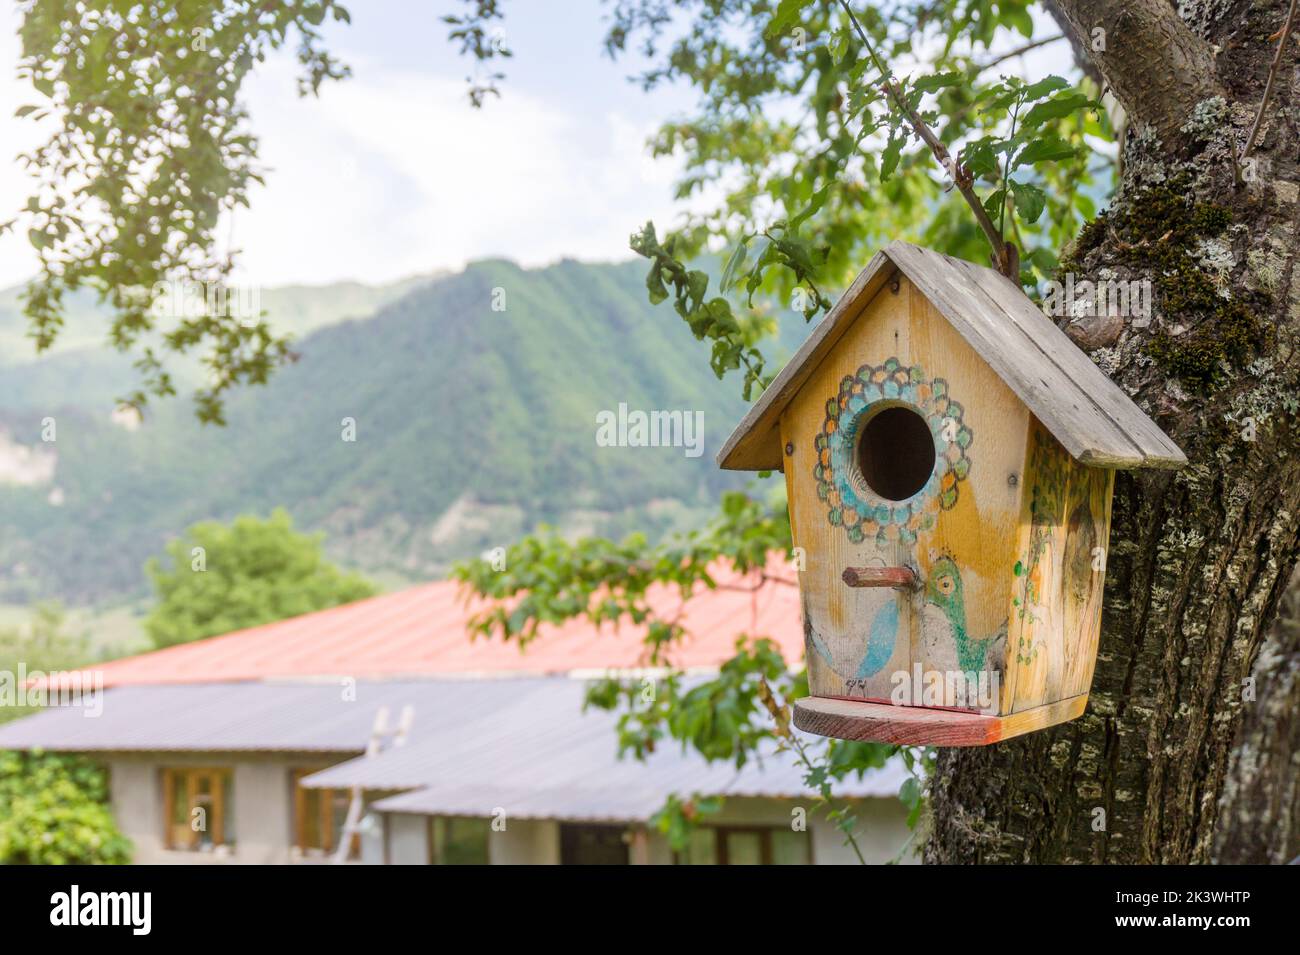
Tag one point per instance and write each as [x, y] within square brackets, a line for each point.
[53, 811]
[480, 39]
[732, 717]
[151, 147]
[733, 337]
[252, 571]
[52, 807]
[45, 645]
[795, 124]
[549, 579]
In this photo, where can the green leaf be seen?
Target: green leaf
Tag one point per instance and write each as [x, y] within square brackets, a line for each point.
[814, 206]
[1041, 88]
[981, 156]
[993, 204]
[734, 262]
[910, 792]
[1020, 20]
[787, 13]
[838, 45]
[1047, 149]
[1055, 108]
[893, 151]
[928, 84]
[654, 284]
[1044, 259]
[1029, 200]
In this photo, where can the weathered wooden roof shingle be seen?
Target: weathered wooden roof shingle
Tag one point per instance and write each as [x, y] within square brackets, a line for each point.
[1083, 409]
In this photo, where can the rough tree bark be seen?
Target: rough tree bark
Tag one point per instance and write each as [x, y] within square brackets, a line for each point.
[1259, 817]
[1200, 559]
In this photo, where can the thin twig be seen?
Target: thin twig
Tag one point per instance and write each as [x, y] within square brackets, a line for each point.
[780, 713]
[1006, 261]
[801, 754]
[1018, 52]
[1272, 79]
[1005, 258]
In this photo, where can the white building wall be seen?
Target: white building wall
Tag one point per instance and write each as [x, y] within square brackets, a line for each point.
[881, 835]
[525, 842]
[262, 811]
[263, 819]
[408, 839]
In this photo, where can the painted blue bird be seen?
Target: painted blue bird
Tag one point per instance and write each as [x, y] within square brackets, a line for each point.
[881, 637]
[880, 640]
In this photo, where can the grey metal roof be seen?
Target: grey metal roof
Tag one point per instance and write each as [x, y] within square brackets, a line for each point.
[537, 754]
[1083, 409]
[269, 716]
[524, 745]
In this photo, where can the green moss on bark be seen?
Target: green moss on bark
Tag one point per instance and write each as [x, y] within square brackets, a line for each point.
[1159, 231]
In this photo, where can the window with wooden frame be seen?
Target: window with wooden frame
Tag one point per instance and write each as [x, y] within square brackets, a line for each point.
[318, 818]
[198, 809]
[458, 840]
[746, 845]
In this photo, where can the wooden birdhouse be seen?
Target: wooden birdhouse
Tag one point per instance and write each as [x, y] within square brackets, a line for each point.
[949, 456]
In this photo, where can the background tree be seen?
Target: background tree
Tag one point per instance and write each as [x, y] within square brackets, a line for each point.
[220, 578]
[151, 147]
[53, 807]
[45, 644]
[54, 811]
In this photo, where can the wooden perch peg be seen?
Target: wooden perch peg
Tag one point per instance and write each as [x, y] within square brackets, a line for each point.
[900, 578]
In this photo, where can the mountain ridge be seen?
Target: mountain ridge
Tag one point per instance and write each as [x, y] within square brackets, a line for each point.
[471, 427]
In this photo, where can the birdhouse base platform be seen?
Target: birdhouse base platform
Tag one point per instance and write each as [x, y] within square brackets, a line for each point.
[917, 726]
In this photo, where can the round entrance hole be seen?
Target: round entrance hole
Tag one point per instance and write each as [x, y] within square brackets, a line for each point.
[896, 453]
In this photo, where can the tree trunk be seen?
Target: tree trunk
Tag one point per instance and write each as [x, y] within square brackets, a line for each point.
[1259, 818]
[1162, 768]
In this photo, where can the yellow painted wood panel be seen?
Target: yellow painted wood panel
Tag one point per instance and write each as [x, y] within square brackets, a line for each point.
[1087, 542]
[959, 533]
[1056, 605]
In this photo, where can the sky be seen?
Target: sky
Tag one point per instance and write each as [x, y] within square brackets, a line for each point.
[391, 173]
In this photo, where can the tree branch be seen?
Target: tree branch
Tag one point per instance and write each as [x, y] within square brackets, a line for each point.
[1020, 51]
[1081, 60]
[1283, 37]
[1153, 63]
[1005, 258]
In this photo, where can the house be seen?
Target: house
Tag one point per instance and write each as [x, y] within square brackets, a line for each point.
[250, 747]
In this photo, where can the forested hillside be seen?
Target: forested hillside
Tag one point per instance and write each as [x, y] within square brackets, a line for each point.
[471, 426]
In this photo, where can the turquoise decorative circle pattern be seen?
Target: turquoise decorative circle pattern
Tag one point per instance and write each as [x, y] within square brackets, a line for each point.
[850, 504]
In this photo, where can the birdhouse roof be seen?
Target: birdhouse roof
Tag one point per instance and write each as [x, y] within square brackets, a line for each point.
[1083, 409]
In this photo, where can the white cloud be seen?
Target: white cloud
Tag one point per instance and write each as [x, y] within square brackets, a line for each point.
[391, 173]
[397, 174]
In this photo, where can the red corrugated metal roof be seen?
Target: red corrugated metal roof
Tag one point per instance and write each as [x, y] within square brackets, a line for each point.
[422, 631]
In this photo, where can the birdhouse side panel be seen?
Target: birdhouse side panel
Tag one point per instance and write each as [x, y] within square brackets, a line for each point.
[1087, 543]
[956, 530]
[1058, 576]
